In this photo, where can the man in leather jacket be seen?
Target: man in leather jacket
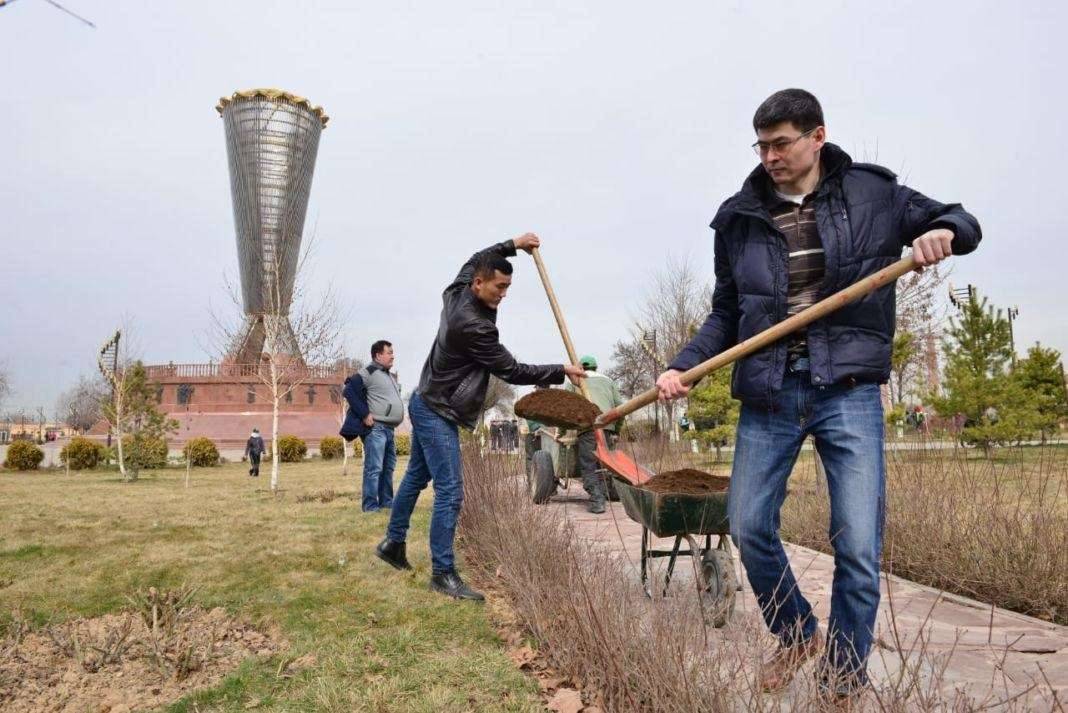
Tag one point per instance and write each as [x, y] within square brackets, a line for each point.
[466, 351]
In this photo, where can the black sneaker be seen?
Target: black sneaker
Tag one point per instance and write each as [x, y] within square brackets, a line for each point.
[450, 584]
[596, 505]
[392, 553]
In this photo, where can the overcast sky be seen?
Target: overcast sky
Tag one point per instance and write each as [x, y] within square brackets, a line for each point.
[613, 130]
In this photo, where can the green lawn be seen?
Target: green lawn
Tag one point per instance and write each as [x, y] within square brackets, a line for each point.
[76, 545]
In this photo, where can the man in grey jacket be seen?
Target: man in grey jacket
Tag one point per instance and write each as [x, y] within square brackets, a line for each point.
[375, 386]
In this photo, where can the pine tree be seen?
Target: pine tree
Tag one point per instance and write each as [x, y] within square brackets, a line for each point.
[1040, 375]
[978, 385]
[713, 412]
[140, 425]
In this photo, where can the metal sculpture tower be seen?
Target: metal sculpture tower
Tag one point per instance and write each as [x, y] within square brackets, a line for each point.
[272, 138]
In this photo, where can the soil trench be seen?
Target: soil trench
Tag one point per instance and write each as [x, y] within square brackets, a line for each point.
[556, 407]
[687, 481]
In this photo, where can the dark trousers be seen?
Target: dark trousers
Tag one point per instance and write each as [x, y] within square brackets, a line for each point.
[593, 476]
[254, 461]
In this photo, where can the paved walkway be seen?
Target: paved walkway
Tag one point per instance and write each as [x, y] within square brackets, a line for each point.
[984, 646]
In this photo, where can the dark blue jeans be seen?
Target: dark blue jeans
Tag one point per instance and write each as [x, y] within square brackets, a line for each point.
[435, 457]
[847, 425]
[379, 460]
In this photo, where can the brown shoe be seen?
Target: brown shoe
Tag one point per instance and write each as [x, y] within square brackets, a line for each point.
[835, 702]
[778, 670]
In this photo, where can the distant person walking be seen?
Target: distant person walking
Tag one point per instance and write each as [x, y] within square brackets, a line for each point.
[375, 410]
[254, 449]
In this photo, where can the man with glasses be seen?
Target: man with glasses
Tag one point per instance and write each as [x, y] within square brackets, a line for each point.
[808, 222]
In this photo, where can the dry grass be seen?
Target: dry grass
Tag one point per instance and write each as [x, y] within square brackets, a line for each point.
[635, 654]
[995, 530]
[78, 545]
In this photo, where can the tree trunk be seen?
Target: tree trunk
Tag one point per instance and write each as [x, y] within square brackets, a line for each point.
[118, 449]
[274, 447]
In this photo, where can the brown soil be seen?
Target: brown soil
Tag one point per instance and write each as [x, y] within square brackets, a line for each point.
[687, 482]
[556, 407]
[64, 668]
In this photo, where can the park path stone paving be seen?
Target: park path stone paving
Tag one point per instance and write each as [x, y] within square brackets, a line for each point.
[987, 648]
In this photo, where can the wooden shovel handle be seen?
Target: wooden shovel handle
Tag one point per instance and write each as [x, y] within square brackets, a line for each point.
[559, 315]
[758, 341]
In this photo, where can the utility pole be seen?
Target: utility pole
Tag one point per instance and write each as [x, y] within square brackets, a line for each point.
[1013, 313]
[960, 296]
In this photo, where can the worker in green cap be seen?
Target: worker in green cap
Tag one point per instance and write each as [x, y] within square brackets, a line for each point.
[604, 393]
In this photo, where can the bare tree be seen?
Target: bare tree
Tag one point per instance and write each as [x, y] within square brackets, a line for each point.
[113, 369]
[632, 369]
[299, 333]
[914, 361]
[677, 304]
[80, 406]
[5, 385]
[18, 415]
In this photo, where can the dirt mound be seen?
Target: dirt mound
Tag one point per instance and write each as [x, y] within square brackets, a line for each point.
[115, 662]
[687, 481]
[556, 407]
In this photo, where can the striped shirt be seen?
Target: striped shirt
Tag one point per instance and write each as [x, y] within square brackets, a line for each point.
[795, 218]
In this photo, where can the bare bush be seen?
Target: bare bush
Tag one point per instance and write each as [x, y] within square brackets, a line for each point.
[995, 530]
[94, 649]
[172, 645]
[593, 622]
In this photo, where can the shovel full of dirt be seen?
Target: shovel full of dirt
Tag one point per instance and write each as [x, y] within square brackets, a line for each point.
[564, 409]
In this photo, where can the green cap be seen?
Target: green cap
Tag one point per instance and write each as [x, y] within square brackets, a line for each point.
[588, 362]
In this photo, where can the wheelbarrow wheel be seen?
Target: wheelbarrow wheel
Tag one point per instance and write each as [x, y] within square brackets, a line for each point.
[541, 481]
[719, 583]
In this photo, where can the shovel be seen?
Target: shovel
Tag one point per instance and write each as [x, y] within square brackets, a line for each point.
[757, 342]
[616, 461]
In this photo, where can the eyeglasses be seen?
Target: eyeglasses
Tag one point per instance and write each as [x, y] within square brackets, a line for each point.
[781, 146]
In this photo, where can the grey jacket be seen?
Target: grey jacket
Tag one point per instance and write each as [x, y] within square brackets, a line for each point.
[383, 396]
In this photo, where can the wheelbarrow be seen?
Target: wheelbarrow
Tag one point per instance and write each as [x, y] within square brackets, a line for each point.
[554, 462]
[687, 517]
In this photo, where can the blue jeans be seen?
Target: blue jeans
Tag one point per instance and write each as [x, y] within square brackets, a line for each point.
[379, 460]
[847, 425]
[435, 457]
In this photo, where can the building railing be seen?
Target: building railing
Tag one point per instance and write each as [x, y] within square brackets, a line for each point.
[163, 371]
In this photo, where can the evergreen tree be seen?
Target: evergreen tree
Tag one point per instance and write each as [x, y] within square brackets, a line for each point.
[978, 385]
[141, 426]
[1040, 375]
[713, 412]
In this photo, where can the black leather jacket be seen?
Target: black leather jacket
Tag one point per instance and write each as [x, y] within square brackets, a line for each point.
[467, 350]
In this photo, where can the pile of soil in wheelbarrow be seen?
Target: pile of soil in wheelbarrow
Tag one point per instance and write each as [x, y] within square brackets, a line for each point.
[556, 407]
[687, 481]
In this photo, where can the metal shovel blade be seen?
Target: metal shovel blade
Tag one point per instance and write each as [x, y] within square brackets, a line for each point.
[620, 463]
